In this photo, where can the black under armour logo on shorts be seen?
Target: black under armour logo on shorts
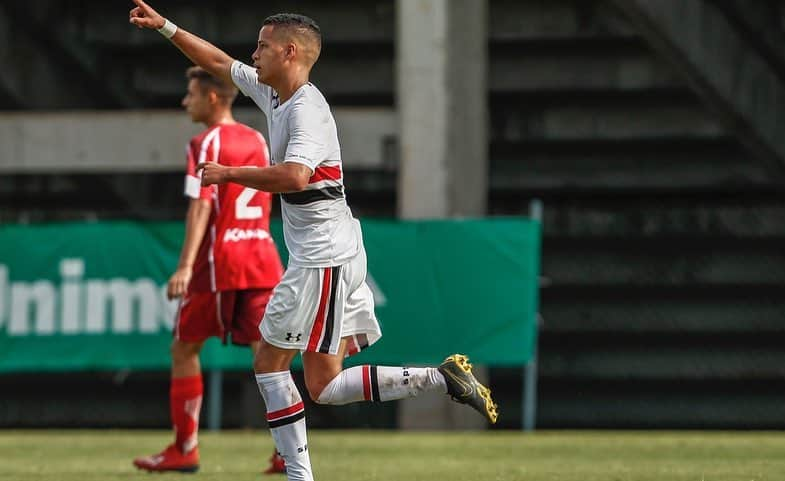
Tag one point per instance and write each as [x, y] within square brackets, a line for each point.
[290, 337]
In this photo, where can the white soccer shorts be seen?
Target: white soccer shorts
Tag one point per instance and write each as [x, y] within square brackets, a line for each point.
[312, 309]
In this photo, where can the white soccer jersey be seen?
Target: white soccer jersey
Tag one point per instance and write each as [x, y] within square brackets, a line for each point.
[319, 229]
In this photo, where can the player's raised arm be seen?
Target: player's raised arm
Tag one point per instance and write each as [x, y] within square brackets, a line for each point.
[200, 51]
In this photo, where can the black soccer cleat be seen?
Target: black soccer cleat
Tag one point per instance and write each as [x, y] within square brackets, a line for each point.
[464, 388]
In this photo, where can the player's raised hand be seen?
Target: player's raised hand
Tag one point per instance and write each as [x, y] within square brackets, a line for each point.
[143, 16]
[212, 173]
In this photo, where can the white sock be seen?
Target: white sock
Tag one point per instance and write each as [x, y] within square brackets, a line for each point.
[381, 383]
[286, 418]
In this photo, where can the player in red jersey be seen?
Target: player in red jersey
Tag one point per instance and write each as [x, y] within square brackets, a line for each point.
[228, 263]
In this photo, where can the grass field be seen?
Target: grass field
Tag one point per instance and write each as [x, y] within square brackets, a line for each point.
[397, 456]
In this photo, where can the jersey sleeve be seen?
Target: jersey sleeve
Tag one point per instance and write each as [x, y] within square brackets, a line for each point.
[193, 179]
[307, 144]
[244, 77]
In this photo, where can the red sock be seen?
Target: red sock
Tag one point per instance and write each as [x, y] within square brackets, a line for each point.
[185, 400]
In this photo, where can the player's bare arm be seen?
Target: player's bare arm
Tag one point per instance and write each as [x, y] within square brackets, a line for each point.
[196, 221]
[198, 50]
[284, 177]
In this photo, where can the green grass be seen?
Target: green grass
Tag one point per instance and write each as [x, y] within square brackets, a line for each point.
[412, 456]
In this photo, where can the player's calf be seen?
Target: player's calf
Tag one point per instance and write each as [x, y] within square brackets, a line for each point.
[380, 383]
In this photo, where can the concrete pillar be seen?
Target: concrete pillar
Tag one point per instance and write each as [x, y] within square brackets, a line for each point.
[441, 54]
[441, 92]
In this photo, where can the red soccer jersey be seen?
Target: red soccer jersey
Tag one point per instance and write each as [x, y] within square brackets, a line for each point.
[237, 251]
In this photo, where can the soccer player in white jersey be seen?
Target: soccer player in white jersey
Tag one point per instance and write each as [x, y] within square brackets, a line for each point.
[322, 307]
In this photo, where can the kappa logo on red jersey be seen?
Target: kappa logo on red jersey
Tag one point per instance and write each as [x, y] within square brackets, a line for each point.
[237, 235]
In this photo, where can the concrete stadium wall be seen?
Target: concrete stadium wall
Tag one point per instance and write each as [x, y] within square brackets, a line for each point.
[154, 140]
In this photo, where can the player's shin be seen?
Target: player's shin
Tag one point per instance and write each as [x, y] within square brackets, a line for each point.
[286, 419]
[381, 383]
[185, 401]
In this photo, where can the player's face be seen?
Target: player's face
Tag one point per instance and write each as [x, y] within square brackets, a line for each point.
[196, 101]
[268, 58]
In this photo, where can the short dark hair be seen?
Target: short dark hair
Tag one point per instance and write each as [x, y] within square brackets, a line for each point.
[224, 91]
[299, 23]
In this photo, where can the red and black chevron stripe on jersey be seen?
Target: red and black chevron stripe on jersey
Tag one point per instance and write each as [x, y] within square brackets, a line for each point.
[313, 195]
[324, 184]
[325, 173]
[285, 416]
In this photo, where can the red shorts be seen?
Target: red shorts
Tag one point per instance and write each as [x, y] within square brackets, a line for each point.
[222, 314]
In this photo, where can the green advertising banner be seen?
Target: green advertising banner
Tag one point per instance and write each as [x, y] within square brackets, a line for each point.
[85, 296]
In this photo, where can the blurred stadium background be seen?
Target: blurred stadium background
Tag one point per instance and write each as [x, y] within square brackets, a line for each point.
[653, 133]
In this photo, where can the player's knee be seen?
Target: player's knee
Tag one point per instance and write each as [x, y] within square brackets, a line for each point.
[314, 392]
[269, 358]
[262, 364]
[263, 359]
[184, 351]
[258, 361]
[324, 391]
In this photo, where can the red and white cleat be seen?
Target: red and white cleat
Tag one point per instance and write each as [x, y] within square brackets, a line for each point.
[170, 459]
[277, 464]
